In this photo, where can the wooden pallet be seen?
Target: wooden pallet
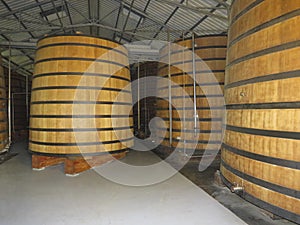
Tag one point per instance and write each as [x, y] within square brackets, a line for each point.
[73, 165]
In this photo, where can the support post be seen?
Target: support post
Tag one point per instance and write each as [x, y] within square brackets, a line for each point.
[9, 97]
[194, 85]
[170, 91]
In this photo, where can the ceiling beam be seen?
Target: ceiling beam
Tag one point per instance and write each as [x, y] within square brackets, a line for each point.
[117, 20]
[27, 7]
[144, 14]
[108, 14]
[18, 19]
[57, 29]
[26, 71]
[105, 27]
[90, 15]
[140, 20]
[127, 18]
[68, 12]
[223, 3]
[15, 31]
[55, 8]
[25, 54]
[18, 44]
[42, 11]
[98, 15]
[26, 21]
[193, 9]
[172, 14]
[198, 8]
[24, 64]
[79, 12]
[199, 22]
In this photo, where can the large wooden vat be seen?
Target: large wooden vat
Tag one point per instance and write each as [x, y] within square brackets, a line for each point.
[211, 50]
[261, 145]
[3, 110]
[65, 91]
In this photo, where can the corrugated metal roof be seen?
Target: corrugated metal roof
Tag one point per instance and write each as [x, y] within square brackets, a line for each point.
[25, 21]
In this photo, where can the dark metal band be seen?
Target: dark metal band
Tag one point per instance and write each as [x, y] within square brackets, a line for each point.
[267, 133]
[77, 155]
[81, 102]
[244, 11]
[190, 61]
[194, 141]
[80, 144]
[274, 187]
[263, 158]
[196, 48]
[192, 119]
[191, 85]
[198, 108]
[276, 105]
[198, 71]
[79, 116]
[270, 77]
[80, 74]
[79, 88]
[80, 129]
[199, 131]
[266, 51]
[81, 59]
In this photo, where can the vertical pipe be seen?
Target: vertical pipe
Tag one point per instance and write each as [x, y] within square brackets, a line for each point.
[26, 99]
[194, 84]
[9, 96]
[170, 92]
[145, 107]
[139, 112]
[13, 112]
[184, 118]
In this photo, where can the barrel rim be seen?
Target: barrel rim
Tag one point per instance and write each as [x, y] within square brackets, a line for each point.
[78, 35]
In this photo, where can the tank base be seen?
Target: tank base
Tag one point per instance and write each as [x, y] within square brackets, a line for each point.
[77, 165]
[39, 162]
[73, 165]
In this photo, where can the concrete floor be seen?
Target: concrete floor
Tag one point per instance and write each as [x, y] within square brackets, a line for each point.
[248, 212]
[49, 197]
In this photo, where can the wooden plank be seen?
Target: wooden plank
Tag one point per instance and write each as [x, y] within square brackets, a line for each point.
[40, 162]
[77, 165]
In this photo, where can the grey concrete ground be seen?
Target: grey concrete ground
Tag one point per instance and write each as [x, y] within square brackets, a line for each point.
[251, 214]
[49, 197]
